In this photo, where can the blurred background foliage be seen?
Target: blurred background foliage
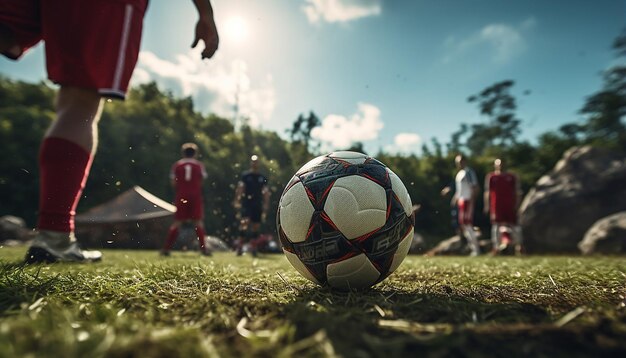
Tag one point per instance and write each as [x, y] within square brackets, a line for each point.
[140, 139]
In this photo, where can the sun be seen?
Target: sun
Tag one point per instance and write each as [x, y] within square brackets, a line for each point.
[236, 29]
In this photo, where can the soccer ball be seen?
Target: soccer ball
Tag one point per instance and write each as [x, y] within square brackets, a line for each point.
[345, 220]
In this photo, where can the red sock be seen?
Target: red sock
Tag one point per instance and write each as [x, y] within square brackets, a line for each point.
[200, 233]
[171, 237]
[63, 169]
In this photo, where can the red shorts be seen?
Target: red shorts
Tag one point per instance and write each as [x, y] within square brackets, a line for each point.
[89, 43]
[504, 215]
[466, 212]
[191, 208]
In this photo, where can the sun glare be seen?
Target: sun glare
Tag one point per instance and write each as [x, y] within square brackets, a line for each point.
[236, 29]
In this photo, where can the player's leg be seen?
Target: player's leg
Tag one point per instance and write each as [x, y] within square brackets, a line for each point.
[172, 235]
[465, 222]
[65, 158]
[256, 213]
[199, 224]
[495, 242]
[469, 232]
[183, 214]
[254, 236]
[244, 226]
[87, 65]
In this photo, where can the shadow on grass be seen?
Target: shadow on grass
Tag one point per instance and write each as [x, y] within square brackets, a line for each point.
[391, 323]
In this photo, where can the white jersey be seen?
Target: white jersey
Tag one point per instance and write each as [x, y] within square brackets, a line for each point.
[465, 180]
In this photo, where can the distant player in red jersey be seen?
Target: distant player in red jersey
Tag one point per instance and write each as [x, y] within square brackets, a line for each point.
[187, 176]
[91, 51]
[502, 197]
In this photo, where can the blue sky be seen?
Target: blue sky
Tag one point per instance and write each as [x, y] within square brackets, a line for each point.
[389, 73]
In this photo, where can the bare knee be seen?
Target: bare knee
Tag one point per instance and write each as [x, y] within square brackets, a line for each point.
[78, 104]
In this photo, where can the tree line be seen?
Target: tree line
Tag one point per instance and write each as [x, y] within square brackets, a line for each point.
[140, 139]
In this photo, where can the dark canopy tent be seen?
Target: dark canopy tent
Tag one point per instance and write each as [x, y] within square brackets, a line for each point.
[135, 219]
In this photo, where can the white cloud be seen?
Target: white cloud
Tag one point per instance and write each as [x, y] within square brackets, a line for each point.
[339, 132]
[341, 10]
[502, 42]
[213, 85]
[405, 143]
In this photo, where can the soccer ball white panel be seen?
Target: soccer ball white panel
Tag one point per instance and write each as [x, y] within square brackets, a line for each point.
[401, 192]
[350, 157]
[401, 251]
[311, 164]
[356, 205]
[299, 266]
[356, 272]
[296, 211]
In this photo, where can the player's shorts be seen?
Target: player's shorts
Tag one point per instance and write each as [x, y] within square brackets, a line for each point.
[189, 209]
[466, 212]
[252, 212]
[503, 215]
[89, 43]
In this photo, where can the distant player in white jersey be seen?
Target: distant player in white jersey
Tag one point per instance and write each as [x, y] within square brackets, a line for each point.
[465, 196]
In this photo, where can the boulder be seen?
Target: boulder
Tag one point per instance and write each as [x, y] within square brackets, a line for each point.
[14, 228]
[587, 184]
[455, 245]
[606, 236]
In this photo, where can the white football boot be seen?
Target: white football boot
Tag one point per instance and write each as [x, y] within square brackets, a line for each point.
[53, 246]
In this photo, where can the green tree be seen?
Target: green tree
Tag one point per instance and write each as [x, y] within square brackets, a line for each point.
[502, 129]
[26, 111]
[606, 108]
[302, 127]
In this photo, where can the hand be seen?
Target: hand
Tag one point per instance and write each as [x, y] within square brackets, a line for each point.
[237, 204]
[263, 217]
[207, 32]
[445, 191]
[486, 210]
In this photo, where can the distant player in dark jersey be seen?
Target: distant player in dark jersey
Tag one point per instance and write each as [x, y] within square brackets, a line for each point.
[252, 199]
[502, 197]
[91, 51]
[187, 175]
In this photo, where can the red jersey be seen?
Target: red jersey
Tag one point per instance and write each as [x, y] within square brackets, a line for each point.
[188, 174]
[503, 190]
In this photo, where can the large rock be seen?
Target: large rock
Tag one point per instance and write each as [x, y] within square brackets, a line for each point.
[587, 184]
[455, 245]
[606, 236]
[14, 229]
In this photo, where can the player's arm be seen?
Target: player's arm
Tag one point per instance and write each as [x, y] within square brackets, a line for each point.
[474, 184]
[203, 172]
[266, 202]
[486, 194]
[206, 29]
[238, 194]
[266, 198]
[173, 176]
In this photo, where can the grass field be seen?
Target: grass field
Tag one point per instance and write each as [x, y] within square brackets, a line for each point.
[137, 304]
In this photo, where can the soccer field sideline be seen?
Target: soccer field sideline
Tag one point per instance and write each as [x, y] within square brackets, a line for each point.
[135, 302]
